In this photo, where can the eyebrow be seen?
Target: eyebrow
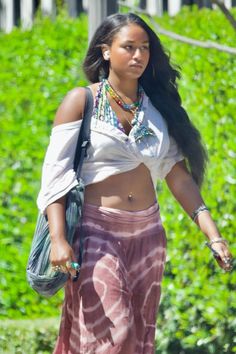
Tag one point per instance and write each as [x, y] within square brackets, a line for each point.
[130, 41]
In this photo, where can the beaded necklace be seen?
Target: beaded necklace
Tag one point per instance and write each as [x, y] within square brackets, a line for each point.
[119, 100]
[104, 112]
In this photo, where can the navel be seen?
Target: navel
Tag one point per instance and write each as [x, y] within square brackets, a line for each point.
[130, 197]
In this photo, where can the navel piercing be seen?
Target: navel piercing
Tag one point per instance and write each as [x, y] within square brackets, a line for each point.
[130, 196]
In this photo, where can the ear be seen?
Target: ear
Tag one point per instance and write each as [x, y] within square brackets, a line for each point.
[105, 52]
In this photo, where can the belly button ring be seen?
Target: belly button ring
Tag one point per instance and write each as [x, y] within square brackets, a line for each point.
[130, 197]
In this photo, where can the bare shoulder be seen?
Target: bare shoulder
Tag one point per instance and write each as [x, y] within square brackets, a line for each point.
[72, 106]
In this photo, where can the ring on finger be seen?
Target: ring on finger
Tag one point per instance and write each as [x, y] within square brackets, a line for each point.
[59, 268]
[72, 265]
[56, 268]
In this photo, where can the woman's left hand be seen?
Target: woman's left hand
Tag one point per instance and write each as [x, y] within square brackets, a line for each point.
[223, 256]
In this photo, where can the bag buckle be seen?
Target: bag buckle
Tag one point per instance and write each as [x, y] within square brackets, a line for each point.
[84, 144]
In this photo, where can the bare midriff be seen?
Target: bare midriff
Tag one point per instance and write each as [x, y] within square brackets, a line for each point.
[132, 190]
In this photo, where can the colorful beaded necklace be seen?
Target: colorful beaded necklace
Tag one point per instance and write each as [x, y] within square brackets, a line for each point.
[104, 112]
[119, 100]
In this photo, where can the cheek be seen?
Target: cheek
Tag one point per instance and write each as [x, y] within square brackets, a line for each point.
[123, 54]
[120, 58]
[147, 57]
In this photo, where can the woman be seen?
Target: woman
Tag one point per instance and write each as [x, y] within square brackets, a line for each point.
[139, 133]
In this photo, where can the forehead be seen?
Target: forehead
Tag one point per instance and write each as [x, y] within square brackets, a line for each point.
[131, 32]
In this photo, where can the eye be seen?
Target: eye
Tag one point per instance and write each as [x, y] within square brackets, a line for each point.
[144, 47]
[128, 47]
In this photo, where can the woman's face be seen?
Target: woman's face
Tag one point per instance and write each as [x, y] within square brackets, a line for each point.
[129, 52]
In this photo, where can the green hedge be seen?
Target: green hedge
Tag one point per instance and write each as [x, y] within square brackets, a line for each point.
[28, 336]
[197, 313]
[38, 67]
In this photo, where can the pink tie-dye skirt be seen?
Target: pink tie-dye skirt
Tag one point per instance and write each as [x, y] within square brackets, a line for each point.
[112, 307]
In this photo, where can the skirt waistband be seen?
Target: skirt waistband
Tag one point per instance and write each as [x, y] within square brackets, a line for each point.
[120, 214]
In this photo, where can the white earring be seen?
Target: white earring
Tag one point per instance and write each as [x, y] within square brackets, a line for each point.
[106, 55]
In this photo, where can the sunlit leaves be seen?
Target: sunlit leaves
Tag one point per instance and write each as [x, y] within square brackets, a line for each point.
[197, 312]
[38, 67]
[198, 308]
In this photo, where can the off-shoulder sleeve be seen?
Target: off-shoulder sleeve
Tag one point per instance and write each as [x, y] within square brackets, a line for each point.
[58, 175]
[172, 156]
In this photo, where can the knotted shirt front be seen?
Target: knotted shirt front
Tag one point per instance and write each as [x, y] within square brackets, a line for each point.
[111, 151]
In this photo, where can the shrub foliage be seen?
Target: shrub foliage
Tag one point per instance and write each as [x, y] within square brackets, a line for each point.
[197, 312]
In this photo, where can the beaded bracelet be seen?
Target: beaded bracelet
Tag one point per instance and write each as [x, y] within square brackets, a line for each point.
[216, 240]
[199, 210]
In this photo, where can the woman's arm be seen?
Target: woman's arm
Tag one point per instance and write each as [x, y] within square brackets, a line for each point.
[187, 193]
[61, 252]
[71, 109]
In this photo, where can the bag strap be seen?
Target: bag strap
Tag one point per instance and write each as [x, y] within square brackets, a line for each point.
[84, 134]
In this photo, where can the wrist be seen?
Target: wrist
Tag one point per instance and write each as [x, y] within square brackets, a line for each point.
[57, 237]
[216, 240]
[213, 236]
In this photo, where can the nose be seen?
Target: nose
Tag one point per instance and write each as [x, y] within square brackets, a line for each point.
[137, 54]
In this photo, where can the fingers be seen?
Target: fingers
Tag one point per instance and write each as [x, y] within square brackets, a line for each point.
[60, 268]
[69, 267]
[223, 257]
[63, 260]
[73, 269]
[225, 262]
[73, 266]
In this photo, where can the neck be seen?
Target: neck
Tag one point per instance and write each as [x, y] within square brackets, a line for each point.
[125, 88]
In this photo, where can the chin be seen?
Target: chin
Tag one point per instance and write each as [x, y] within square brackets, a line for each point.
[133, 76]
[130, 75]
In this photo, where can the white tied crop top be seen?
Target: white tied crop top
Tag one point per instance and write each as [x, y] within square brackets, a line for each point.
[110, 152]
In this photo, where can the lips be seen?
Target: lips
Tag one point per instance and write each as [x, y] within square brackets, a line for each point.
[138, 66]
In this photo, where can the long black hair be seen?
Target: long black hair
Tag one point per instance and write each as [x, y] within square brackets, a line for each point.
[159, 83]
